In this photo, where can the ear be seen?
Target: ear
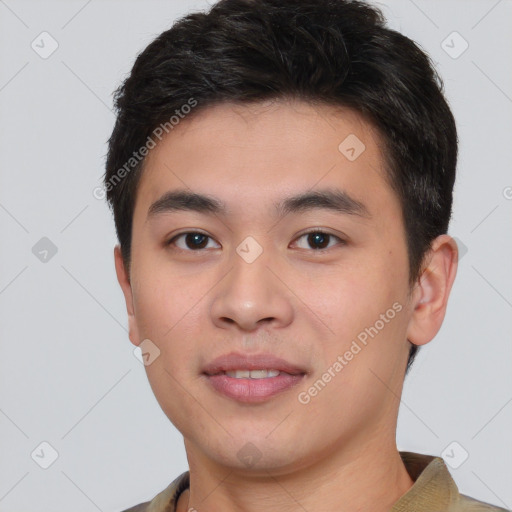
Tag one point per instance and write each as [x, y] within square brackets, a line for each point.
[124, 281]
[431, 292]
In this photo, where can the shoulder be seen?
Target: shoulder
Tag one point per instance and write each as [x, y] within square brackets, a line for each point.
[164, 501]
[468, 504]
[142, 507]
[435, 489]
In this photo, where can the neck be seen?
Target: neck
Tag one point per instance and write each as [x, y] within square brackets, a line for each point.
[371, 479]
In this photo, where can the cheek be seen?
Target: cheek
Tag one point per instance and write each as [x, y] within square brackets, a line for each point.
[363, 302]
[165, 299]
[351, 298]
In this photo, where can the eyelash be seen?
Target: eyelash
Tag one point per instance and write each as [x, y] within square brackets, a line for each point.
[309, 232]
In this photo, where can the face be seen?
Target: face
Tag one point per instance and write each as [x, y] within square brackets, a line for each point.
[300, 254]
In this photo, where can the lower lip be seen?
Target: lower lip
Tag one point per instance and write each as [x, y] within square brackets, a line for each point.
[253, 390]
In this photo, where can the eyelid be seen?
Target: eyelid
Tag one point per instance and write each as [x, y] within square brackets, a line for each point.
[325, 231]
[341, 238]
[171, 241]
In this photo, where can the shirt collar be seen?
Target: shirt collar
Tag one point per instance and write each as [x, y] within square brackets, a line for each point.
[433, 487]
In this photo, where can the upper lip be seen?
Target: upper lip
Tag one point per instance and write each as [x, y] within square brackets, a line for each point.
[237, 361]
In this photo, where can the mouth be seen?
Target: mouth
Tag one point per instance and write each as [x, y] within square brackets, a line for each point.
[252, 374]
[252, 378]
[254, 366]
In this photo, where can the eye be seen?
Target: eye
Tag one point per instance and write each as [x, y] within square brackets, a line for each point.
[319, 240]
[193, 241]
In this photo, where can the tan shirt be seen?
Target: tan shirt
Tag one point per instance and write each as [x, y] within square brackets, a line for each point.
[433, 491]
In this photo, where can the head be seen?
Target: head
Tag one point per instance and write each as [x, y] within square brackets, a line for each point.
[263, 118]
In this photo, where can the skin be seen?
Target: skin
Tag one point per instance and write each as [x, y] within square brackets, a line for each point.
[337, 452]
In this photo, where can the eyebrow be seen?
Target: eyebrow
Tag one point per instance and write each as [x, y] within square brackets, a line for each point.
[329, 199]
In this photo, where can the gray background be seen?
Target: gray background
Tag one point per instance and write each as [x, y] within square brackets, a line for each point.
[68, 375]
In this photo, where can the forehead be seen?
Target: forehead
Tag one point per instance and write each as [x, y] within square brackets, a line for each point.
[251, 153]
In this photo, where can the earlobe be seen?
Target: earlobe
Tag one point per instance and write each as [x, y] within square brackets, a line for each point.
[124, 281]
[431, 292]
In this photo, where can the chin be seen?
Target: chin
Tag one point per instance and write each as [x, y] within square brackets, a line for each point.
[256, 455]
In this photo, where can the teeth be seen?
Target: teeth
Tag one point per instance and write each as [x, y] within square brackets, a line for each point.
[252, 374]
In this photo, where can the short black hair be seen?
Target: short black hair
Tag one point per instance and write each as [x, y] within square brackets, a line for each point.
[334, 52]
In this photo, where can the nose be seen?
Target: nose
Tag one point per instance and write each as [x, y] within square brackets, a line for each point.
[252, 295]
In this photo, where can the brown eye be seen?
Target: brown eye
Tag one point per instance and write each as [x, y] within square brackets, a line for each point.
[319, 240]
[193, 241]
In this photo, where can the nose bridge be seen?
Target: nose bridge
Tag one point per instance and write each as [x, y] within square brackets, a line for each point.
[250, 274]
[250, 292]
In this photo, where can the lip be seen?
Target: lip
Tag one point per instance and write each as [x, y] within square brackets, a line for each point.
[237, 361]
[252, 390]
